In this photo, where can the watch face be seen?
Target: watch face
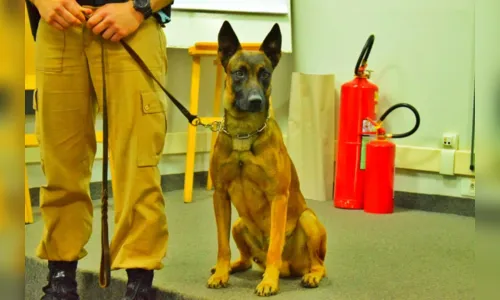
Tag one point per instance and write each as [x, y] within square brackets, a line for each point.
[142, 3]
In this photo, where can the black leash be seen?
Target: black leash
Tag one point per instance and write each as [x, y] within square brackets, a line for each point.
[194, 120]
[105, 270]
[191, 118]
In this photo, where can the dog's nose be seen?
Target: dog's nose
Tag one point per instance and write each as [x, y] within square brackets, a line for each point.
[255, 102]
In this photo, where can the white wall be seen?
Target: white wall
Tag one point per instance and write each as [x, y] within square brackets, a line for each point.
[423, 55]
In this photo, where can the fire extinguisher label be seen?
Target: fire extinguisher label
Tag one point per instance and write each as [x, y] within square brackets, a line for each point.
[362, 161]
[368, 126]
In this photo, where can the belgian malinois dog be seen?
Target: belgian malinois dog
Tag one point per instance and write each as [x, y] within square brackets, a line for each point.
[251, 169]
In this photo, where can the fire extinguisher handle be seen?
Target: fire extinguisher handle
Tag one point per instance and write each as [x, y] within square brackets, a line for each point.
[363, 57]
[415, 112]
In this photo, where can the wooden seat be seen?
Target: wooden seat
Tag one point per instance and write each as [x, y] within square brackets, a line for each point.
[30, 141]
[197, 51]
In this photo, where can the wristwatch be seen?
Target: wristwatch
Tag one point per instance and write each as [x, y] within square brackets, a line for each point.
[144, 7]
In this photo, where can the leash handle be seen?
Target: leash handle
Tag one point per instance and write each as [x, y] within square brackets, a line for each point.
[105, 269]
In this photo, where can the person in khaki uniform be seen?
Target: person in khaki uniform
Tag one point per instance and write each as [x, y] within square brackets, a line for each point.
[68, 95]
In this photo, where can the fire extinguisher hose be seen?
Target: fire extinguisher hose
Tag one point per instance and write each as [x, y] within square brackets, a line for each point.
[415, 112]
[363, 57]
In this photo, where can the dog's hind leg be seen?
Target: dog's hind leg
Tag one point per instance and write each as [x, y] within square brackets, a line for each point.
[316, 246]
[240, 236]
[247, 246]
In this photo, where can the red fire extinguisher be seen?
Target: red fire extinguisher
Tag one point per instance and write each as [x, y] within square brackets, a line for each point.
[378, 196]
[358, 103]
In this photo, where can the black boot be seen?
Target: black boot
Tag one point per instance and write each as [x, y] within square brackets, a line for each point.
[62, 281]
[139, 285]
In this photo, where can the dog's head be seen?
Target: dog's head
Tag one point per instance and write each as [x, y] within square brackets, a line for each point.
[249, 73]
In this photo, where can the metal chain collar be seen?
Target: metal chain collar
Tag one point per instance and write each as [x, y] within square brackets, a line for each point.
[218, 126]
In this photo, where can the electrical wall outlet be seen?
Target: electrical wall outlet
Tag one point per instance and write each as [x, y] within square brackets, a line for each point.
[447, 162]
[469, 187]
[450, 140]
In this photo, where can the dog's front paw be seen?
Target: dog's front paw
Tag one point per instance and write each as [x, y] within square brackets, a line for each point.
[218, 280]
[267, 288]
[311, 280]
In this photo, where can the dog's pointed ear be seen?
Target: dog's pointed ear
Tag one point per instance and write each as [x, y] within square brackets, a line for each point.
[271, 45]
[228, 43]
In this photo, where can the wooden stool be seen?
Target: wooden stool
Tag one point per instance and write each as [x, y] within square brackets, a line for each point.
[197, 51]
[30, 141]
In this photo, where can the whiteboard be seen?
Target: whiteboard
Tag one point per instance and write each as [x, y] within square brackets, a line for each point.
[190, 27]
[245, 6]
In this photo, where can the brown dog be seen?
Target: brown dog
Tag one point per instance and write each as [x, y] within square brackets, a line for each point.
[252, 170]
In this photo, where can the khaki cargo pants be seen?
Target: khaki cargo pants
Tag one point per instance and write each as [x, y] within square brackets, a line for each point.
[68, 94]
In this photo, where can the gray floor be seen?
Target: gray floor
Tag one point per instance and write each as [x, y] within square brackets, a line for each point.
[406, 255]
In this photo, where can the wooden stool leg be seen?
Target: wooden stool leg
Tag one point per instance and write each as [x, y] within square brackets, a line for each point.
[271, 110]
[217, 100]
[28, 212]
[191, 142]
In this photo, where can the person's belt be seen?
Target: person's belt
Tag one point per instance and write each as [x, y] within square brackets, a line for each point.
[97, 3]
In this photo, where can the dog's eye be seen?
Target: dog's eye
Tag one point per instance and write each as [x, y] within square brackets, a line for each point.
[265, 75]
[239, 74]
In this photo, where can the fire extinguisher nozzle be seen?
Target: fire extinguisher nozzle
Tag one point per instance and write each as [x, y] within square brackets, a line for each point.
[363, 57]
[410, 107]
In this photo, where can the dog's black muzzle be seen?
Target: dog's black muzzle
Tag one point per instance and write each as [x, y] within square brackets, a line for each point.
[255, 102]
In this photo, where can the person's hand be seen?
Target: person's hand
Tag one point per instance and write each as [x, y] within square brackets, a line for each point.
[61, 14]
[115, 21]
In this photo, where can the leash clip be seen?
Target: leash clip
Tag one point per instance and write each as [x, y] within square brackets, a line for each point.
[245, 136]
[214, 126]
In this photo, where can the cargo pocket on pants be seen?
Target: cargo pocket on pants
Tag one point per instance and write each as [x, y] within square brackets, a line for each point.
[151, 129]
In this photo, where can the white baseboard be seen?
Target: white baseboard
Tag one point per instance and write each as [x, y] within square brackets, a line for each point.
[428, 160]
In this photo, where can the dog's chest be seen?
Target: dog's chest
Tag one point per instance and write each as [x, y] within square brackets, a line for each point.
[242, 144]
[252, 172]
[243, 170]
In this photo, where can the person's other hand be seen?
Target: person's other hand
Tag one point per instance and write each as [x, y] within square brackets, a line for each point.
[61, 14]
[115, 21]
